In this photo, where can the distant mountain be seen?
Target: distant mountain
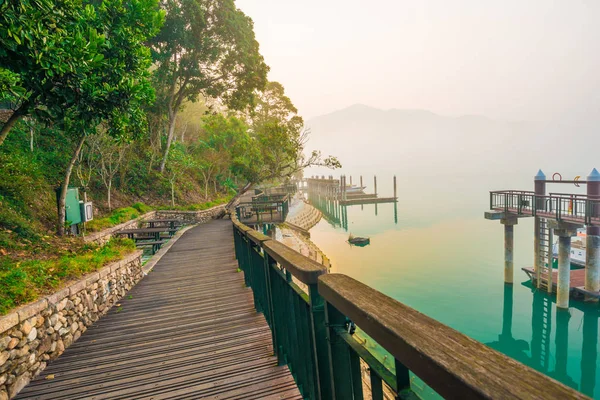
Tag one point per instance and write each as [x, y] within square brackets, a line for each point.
[419, 140]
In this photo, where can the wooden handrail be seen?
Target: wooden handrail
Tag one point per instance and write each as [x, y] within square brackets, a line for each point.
[454, 365]
[303, 268]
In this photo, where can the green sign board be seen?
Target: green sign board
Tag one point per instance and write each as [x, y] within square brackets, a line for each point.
[73, 209]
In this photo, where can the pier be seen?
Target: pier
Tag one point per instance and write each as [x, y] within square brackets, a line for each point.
[555, 214]
[345, 193]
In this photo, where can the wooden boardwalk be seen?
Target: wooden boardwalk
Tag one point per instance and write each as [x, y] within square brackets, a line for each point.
[187, 331]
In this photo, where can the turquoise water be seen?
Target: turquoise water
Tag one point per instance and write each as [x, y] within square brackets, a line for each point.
[435, 252]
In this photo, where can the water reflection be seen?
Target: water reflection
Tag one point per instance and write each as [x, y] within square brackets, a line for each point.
[539, 352]
[506, 343]
[337, 214]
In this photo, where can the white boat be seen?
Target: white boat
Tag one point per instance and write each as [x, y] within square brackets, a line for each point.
[355, 189]
[577, 249]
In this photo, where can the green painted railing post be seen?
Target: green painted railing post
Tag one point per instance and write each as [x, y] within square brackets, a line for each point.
[402, 377]
[340, 367]
[248, 257]
[320, 344]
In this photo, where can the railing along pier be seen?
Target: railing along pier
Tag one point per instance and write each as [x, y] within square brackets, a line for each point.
[311, 334]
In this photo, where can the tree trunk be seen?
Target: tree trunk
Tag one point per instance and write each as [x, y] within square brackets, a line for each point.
[239, 194]
[31, 137]
[206, 189]
[172, 119]
[172, 194]
[12, 120]
[62, 211]
[108, 194]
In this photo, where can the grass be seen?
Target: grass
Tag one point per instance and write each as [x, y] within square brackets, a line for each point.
[118, 216]
[24, 281]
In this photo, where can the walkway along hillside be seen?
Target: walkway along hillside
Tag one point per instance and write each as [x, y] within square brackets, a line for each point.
[187, 331]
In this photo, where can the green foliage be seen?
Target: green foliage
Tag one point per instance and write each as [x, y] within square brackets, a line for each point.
[118, 216]
[23, 282]
[80, 62]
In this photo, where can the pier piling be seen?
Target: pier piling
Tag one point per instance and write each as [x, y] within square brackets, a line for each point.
[592, 262]
[361, 185]
[540, 190]
[375, 184]
[564, 272]
[395, 194]
[509, 225]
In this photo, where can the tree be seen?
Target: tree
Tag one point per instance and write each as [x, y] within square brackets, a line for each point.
[206, 48]
[110, 154]
[277, 141]
[117, 87]
[179, 162]
[47, 46]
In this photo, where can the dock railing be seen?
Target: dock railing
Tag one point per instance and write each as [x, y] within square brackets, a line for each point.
[575, 208]
[312, 334]
[264, 208]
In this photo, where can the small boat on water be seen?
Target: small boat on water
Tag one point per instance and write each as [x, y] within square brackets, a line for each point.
[359, 241]
[577, 250]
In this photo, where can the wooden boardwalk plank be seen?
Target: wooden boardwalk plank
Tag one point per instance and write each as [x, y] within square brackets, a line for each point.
[187, 331]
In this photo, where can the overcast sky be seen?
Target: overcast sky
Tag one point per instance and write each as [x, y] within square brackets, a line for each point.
[535, 60]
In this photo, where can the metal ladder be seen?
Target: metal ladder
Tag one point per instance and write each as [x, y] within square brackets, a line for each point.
[546, 256]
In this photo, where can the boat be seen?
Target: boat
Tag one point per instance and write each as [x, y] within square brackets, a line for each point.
[577, 250]
[355, 189]
[359, 241]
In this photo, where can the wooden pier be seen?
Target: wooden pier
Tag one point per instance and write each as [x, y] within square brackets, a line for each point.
[346, 195]
[576, 282]
[188, 330]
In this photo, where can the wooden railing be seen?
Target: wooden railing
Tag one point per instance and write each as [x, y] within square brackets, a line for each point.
[264, 208]
[312, 333]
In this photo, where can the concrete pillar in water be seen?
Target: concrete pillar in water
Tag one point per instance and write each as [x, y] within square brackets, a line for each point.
[592, 255]
[375, 184]
[563, 283]
[509, 225]
[540, 190]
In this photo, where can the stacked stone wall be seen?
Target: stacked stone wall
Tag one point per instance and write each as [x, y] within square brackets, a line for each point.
[39, 332]
[192, 217]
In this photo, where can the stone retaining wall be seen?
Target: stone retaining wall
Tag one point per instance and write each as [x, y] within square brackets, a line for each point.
[104, 236]
[192, 217]
[40, 332]
[187, 217]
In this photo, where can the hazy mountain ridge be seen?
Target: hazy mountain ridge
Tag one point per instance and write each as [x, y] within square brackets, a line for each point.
[365, 136]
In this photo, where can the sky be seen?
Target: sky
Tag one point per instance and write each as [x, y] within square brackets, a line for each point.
[534, 60]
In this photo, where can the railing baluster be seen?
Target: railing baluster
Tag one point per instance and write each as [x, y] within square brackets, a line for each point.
[376, 385]
[402, 377]
[340, 367]
[321, 347]
[356, 376]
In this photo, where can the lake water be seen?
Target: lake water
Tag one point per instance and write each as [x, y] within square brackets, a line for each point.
[435, 252]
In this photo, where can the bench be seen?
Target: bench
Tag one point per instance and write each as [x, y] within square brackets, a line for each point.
[156, 245]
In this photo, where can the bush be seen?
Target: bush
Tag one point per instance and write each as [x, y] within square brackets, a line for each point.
[25, 281]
